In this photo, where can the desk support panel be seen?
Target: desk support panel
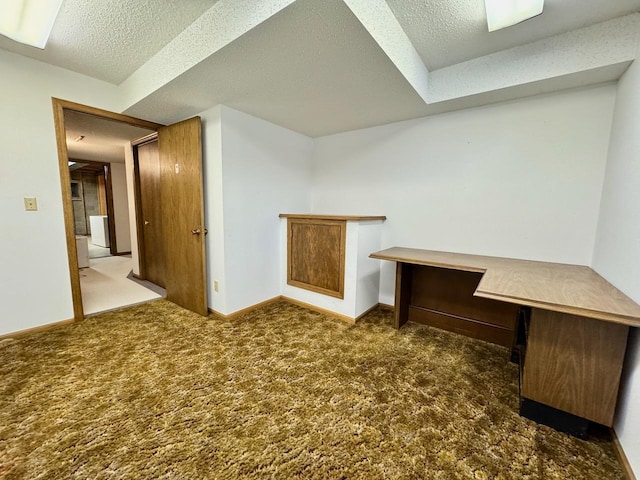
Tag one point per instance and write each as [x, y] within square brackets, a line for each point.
[403, 293]
[574, 364]
[443, 298]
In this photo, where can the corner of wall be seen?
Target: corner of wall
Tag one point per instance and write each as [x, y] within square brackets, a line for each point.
[214, 211]
[615, 252]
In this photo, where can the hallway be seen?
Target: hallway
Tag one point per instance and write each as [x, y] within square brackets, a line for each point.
[108, 285]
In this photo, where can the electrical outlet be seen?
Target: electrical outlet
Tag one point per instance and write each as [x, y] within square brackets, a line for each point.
[215, 285]
[30, 204]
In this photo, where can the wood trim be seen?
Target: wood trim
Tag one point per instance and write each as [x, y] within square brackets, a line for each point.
[41, 328]
[59, 106]
[386, 306]
[622, 457]
[367, 312]
[308, 306]
[142, 267]
[98, 112]
[320, 290]
[351, 218]
[67, 205]
[122, 254]
[102, 195]
[238, 313]
[111, 214]
[152, 137]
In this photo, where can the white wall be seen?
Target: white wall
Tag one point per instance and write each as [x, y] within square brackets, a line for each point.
[617, 251]
[519, 179]
[266, 171]
[214, 219]
[121, 207]
[34, 277]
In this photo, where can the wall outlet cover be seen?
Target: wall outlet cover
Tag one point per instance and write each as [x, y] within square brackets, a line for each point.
[30, 204]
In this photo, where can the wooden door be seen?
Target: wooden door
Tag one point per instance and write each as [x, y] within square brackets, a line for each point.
[182, 210]
[150, 211]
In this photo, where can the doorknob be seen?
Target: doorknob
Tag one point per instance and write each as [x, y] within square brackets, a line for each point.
[196, 231]
[146, 222]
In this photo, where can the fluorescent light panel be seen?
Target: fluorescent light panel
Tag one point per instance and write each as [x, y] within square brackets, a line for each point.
[505, 13]
[28, 21]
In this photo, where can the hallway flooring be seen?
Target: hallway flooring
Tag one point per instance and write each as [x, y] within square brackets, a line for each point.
[105, 285]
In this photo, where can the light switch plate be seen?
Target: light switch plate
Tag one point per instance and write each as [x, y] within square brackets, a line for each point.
[30, 204]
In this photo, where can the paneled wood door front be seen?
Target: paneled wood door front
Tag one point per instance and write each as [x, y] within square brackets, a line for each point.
[151, 213]
[182, 206]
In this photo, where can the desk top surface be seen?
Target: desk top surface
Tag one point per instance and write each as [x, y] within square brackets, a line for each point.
[572, 289]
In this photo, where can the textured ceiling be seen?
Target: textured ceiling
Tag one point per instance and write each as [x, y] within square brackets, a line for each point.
[103, 141]
[110, 39]
[453, 31]
[335, 77]
[322, 67]
[311, 68]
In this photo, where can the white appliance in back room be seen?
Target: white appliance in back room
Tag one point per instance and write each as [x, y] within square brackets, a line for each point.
[99, 230]
[82, 246]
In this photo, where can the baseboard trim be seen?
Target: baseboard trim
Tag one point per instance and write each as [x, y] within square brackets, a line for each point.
[41, 328]
[122, 254]
[344, 318]
[622, 457]
[367, 312]
[245, 310]
[386, 306]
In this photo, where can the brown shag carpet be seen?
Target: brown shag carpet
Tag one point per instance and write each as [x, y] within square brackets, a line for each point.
[154, 391]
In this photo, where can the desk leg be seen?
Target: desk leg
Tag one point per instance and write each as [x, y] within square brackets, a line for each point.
[403, 293]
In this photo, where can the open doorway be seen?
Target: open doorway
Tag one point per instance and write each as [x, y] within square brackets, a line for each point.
[181, 212]
[98, 149]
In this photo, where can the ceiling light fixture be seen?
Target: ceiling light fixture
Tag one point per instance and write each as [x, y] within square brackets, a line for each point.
[505, 13]
[28, 21]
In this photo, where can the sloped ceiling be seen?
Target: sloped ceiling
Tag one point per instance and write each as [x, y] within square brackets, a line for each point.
[337, 65]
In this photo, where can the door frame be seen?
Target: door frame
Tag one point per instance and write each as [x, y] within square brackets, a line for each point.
[59, 107]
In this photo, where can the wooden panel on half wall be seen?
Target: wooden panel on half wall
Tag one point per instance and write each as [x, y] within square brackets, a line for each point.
[316, 255]
[183, 214]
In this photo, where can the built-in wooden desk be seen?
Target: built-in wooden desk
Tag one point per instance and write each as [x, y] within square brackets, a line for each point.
[576, 328]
